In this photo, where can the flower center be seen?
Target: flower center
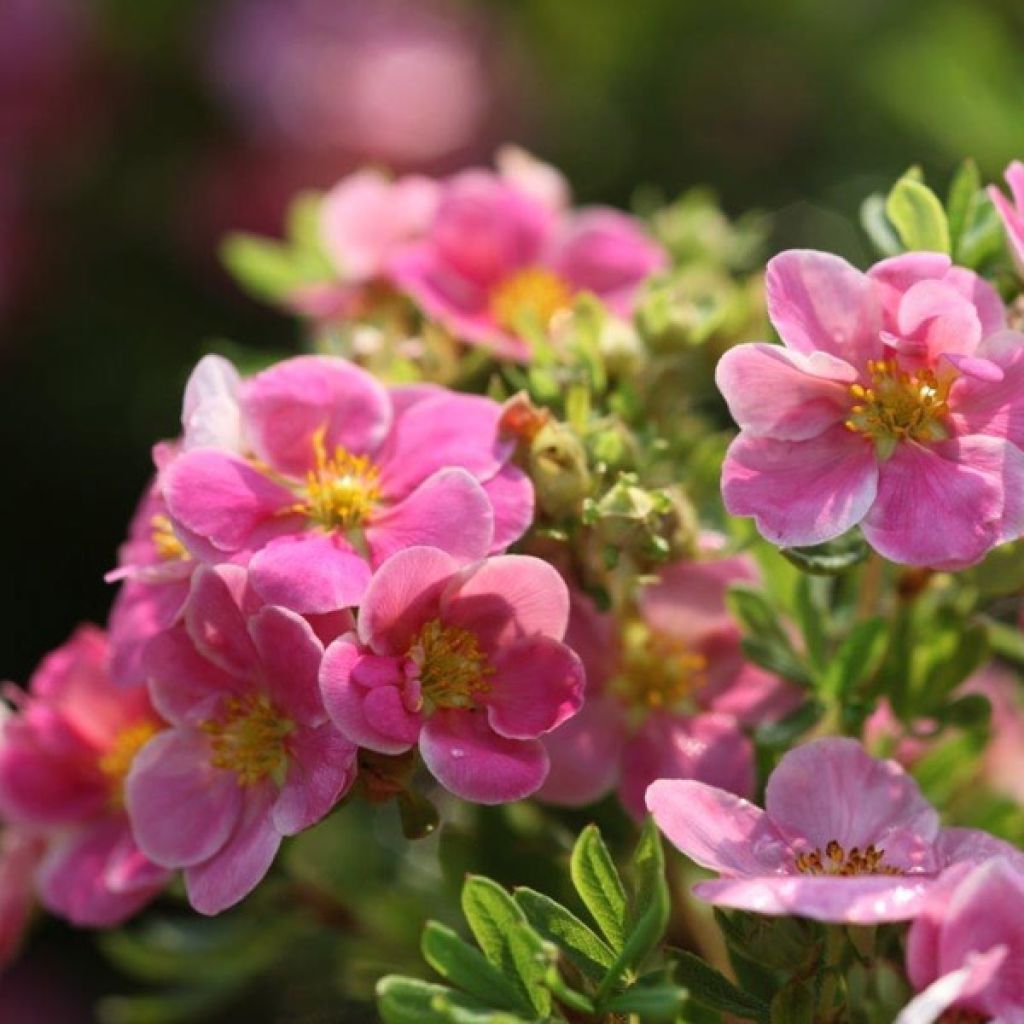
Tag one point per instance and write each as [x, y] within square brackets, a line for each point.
[837, 861]
[530, 294]
[658, 671]
[249, 738]
[453, 671]
[342, 490]
[899, 406]
[117, 761]
[168, 547]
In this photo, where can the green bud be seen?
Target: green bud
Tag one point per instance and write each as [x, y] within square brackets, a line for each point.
[621, 347]
[557, 464]
[639, 521]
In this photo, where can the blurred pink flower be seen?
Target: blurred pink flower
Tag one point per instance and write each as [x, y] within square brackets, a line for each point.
[893, 404]
[340, 475]
[21, 850]
[668, 693]
[250, 755]
[466, 663]
[1012, 210]
[842, 838]
[64, 755]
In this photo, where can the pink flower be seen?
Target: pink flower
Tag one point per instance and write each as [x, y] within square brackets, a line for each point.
[468, 664]
[965, 949]
[668, 693]
[896, 402]
[1012, 211]
[20, 852]
[64, 756]
[336, 473]
[842, 838]
[497, 257]
[250, 755]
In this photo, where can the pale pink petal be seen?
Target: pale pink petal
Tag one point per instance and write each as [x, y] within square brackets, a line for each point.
[894, 276]
[321, 767]
[182, 809]
[537, 684]
[290, 655]
[1012, 213]
[993, 407]
[934, 318]
[210, 415]
[949, 990]
[216, 622]
[973, 846]
[128, 869]
[510, 492]
[449, 511]
[595, 636]
[982, 295]
[242, 862]
[537, 179]
[716, 829]
[818, 302]
[286, 405]
[801, 492]
[469, 760]
[140, 611]
[782, 393]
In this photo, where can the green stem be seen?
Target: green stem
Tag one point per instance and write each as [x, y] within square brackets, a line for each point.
[835, 945]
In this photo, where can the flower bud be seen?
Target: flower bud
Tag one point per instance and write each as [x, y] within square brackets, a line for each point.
[621, 347]
[558, 467]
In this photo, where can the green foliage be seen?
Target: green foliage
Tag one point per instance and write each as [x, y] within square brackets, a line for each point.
[916, 213]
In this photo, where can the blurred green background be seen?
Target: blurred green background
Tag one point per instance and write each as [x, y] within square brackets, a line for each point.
[133, 134]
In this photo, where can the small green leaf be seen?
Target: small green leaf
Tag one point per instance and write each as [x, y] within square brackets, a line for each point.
[831, 558]
[754, 612]
[580, 944]
[649, 1002]
[599, 885]
[877, 227]
[858, 658]
[267, 269]
[918, 216]
[710, 988]
[777, 658]
[410, 1001]
[1006, 641]
[965, 186]
[811, 606]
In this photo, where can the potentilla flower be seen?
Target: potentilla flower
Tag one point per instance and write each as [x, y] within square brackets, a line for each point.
[843, 838]
[21, 850]
[465, 663]
[336, 473]
[497, 259]
[1011, 211]
[249, 756]
[64, 756]
[896, 402]
[669, 692]
[965, 948]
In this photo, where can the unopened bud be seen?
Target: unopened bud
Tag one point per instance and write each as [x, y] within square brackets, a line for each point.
[558, 468]
[521, 419]
[621, 347]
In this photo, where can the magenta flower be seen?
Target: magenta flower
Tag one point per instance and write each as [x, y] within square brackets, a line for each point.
[1012, 210]
[64, 755]
[466, 663]
[965, 949]
[21, 850]
[250, 756]
[497, 258]
[337, 474]
[843, 838]
[668, 693]
[896, 402]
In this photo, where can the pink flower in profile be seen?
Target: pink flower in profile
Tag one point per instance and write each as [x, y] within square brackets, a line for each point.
[668, 692]
[496, 259]
[965, 948]
[64, 756]
[249, 757]
[335, 473]
[1012, 210]
[466, 663]
[896, 403]
[843, 838]
[21, 850]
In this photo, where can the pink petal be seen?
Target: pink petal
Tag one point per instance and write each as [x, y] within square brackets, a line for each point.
[182, 809]
[934, 318]
[946, 505]
[215, 620]
[736, 687]
[128, 869]
[831, 789]
[897, 275]
[990, 407]
[321, 767]
[777, 392]
[510, 492]
[818, 302]
[290, 655]
[469, 760]
[982, 296]
[1012, 214]
[716, 829]
[801, 492]
[286, 405]
[221, 497]
[140, 611]
[210, 416]
[537, 684]
[427, 515]
[951, 989]
[242, 862]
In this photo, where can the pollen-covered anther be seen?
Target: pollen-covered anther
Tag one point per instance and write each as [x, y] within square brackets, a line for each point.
[837, 861]
[533, 293]
[658, 671]
[168, 547]
[452, 670]
[249, 738]
[342, 489]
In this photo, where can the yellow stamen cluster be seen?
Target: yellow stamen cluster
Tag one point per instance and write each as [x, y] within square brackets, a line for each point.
[658, 671]
[249, 738]
[117, 760]
[533, 294]
[837, 861]
[899, 406]
[342, 490]
[453, 671]
[168, 547]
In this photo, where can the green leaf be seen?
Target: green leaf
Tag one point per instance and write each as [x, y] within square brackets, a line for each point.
[410, 1001]
[599, 885]
[965, 186]
[969, 712]
[265, 268]
[793, 1004]
[831, 558]
[712, 989]
[877, 227]
[586, 950]
[649, 1002]
[811, 606]
[467, 968]
[918, 216]
[1006, 641]
[777, 658]
[755, 613]
[858, 658]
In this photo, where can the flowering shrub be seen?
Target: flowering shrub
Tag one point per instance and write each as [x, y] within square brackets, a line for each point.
[485, 567]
